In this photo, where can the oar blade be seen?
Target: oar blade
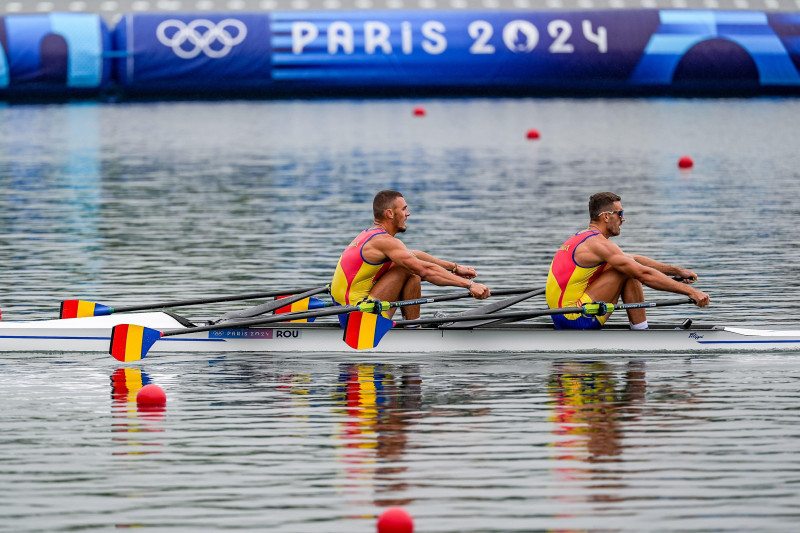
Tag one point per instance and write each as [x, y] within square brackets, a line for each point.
[365, 330]
[306, 304]
[131, 343]
[82, 308]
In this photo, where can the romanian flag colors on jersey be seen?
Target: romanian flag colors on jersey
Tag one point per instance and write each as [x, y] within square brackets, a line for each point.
[81, 308]
[301, 305]
[130, 342]
[354, 275]
[567, 281]
[365, 330]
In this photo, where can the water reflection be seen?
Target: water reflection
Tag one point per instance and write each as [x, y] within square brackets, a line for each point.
[590, 405]
[381, 405]
[132, 421]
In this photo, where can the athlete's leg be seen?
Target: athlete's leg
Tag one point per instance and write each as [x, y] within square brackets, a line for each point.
[611, 284]
[634, 293]
[398, 283]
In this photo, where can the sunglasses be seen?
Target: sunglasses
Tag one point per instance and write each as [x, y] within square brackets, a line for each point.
[619, 213]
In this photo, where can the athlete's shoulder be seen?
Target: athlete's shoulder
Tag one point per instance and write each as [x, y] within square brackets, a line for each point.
[383, 240]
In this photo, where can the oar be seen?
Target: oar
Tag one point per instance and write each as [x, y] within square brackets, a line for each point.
[591, 309]
[130, 342]
[82, 308]
[491, 308]
[306, 304]
[268, 307]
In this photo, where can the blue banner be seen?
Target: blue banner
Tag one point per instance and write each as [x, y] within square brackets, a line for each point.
[191, 53]
[487, 51]
[288, 53]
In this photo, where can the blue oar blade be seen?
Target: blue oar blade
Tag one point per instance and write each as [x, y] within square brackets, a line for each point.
[131, 343]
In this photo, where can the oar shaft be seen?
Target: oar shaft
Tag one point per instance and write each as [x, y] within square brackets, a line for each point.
[663, 303]
[521, 315]
[233, 298]
[269, 306]
[498, 292]
[318, 313]
[493, 316]
[263, 321]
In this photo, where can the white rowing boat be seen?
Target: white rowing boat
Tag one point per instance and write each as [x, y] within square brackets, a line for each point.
[92, 334]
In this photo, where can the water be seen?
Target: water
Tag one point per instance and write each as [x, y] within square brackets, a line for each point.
[125, 203]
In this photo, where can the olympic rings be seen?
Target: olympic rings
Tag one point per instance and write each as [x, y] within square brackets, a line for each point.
[201, 40]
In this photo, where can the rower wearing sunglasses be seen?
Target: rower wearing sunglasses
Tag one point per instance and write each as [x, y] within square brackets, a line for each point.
[588, 267]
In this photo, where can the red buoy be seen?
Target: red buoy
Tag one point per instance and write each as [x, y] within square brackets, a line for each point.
[419, 111]
[395, 520]
[685, 162]
[533, 134]
[151, 395]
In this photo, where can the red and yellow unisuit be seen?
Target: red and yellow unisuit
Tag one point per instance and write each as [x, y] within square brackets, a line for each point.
[567, 281]
[354, 275]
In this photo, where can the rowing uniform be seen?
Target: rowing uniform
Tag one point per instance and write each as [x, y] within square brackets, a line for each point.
[567, 282]
[355, 276]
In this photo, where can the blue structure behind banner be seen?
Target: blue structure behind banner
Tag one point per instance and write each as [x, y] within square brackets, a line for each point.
[58, 54]
[330, 53]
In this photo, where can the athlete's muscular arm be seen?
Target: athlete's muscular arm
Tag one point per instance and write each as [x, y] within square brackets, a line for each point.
[464, 271]
[670, 270]
[654, 278]
[394, 249]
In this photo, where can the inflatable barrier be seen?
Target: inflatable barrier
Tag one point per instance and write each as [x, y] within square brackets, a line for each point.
[331, 53]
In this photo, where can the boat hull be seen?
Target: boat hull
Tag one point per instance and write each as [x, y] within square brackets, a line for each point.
[93, 335]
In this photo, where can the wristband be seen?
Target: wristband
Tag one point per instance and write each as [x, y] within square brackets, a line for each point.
[469, 287]
[455, 267]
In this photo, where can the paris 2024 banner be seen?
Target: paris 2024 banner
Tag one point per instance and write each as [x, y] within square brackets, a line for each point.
[286, 53]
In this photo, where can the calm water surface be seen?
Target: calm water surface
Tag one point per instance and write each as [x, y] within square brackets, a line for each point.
[128, 203]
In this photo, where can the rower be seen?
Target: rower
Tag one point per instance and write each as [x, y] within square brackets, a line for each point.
[588, 267]
[378, 265]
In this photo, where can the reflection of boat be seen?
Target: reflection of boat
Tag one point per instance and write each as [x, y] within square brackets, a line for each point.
[92, 334]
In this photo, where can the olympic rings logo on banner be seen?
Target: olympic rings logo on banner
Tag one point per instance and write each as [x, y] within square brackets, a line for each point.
[201, 41]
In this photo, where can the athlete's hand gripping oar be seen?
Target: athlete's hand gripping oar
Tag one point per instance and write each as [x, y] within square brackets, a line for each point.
[82, 308]
[130, 342]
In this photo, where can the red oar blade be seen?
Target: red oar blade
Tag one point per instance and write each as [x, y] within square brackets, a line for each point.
[305, 304]
[82, 308]
[131, 343]
[365, 330]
